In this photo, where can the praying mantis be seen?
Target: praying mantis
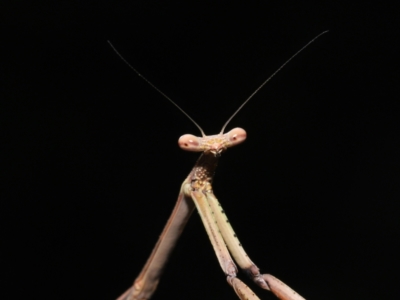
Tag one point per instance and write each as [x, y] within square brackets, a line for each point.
[196, 192]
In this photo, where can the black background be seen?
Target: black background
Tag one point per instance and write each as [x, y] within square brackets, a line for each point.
[91, 168]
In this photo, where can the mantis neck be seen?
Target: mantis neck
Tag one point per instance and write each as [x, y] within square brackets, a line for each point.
[203, 171]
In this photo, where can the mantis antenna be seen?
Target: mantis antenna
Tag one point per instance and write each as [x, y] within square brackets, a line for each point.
[269, 78]
[240, 107]
[157, 89]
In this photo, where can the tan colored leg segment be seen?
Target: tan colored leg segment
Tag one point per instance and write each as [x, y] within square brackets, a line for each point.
[218, 243]
[265, 281]
[280, 289]
[233, 243]
[147, 281]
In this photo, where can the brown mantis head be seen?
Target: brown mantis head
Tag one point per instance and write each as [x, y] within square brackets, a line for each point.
[216, 144]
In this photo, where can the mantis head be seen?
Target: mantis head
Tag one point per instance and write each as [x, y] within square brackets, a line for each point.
[216, 144]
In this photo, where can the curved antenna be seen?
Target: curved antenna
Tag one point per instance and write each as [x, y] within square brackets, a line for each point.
[154, 87]
[268, 79]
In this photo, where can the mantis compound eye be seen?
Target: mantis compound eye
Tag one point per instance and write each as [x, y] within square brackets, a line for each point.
[236, 136]
[189, 142]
